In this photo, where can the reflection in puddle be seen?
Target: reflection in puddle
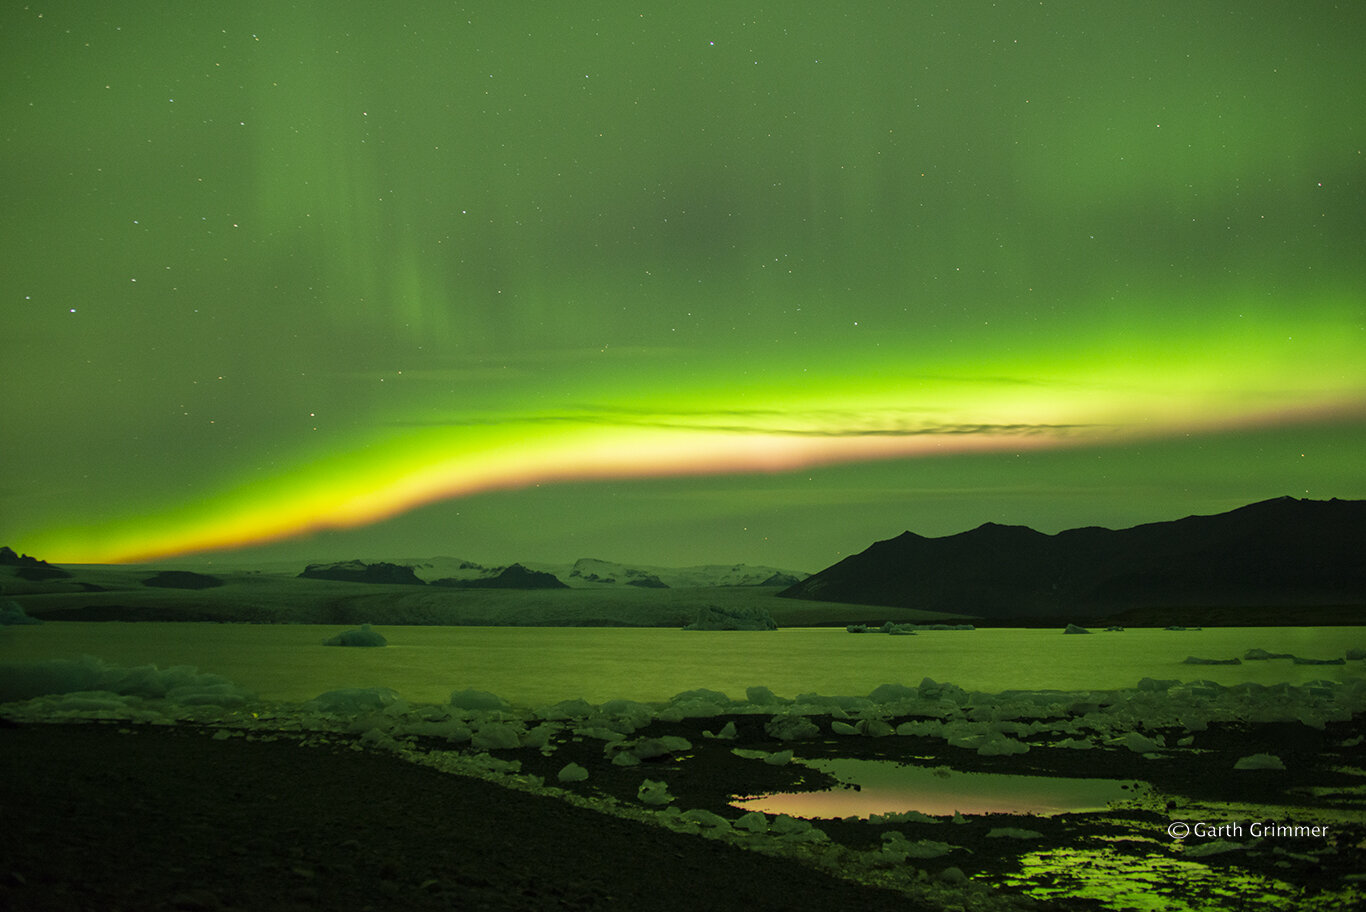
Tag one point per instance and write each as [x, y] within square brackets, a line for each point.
[1149, 884]
[886, 787]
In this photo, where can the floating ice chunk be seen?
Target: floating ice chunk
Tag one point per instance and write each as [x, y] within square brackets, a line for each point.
[896, 848]
[1355, 655]
[925, 848]
[787, 825]
[477, 700]
[843, 728]
[762, 696]
[1311, 718]
[1197, 660]
[874, 728]
[360, 636]
[627, 715]
[967, 740]
[354, 699]
[599, 733]
[1299, 660]
[752, 822]
[13, 615]
[834, 705]
[727, 732]
[1140, 744]
[1259, 762]
[1075, 744]
[22, 681]
[749, 753]
[1194, 723]
[931, 689]
[788, 727]
[376, 737]
[654, 793]
[779, 758]
[1073, 628]
[648, 748]
[922, 727]
[891, 693]
[224, 694]
[568, 709]
[625, 758]
[998, 745]
[1261, 655]
[706, 819]
[496, 736]
[701, 694]
[539, 736]
[572, 772]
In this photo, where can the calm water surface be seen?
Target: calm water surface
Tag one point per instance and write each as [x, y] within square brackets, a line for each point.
[883, 786]
[537, 665]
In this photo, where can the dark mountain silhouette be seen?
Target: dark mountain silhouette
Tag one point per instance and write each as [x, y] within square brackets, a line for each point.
[360, 572]
[513, 577]
[1278, 553]
[30, 568]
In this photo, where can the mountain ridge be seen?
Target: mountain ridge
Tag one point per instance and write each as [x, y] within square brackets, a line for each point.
[1280, 552]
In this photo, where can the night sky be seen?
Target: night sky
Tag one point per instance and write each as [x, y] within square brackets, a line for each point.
[713, 282]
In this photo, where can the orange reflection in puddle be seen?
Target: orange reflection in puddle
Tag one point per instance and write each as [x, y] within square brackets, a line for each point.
[886, 787]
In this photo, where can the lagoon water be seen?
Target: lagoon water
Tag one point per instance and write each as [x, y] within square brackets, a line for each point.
[538, 665]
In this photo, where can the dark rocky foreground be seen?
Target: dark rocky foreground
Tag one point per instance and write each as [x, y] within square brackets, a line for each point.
[108, 816]
[168, 818]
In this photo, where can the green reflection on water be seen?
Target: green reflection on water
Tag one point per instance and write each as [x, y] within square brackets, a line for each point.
[1153, 882]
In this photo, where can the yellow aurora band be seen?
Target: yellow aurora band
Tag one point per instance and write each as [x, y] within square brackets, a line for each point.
[1106, 394]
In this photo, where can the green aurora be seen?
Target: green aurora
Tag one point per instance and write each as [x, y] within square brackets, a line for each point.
[716, 283]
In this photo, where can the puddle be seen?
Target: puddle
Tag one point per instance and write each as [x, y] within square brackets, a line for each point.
[870, 787]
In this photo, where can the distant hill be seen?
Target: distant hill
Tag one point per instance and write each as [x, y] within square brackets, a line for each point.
[513, 577]
[355, 571]
[30, 568]
[592, 573]
[1282, 553]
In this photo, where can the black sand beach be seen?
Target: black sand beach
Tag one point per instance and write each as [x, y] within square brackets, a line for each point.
[107, 816]
[167, 818]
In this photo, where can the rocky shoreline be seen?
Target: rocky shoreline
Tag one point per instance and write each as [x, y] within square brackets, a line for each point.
[207, 815]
